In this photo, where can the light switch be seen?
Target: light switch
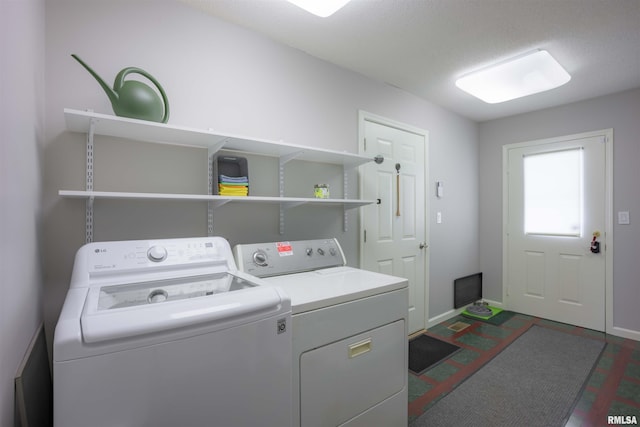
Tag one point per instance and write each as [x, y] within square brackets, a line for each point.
[439, 218]
[623, 217]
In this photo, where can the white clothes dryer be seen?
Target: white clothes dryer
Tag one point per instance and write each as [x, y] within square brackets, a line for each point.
[169, 333]
[350, 360]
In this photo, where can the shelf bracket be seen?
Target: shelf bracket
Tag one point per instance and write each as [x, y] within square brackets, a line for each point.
[89, 183]
[218, 203]
[281, 162]
[289, 205]
[213, 149]
[287, 158]
[345, 188]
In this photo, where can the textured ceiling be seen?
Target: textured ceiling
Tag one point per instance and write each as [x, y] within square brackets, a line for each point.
[422, 46]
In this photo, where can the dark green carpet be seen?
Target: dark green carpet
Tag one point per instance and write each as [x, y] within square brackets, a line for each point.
[535, 381]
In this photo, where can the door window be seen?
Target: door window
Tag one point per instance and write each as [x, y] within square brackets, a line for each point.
[553, 196]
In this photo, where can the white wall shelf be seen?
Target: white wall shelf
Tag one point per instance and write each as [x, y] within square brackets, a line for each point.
[287, 202]
[107, 125]
[142, 130]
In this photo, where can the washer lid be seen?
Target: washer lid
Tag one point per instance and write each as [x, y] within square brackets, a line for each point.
[120, 311]
[154, 292]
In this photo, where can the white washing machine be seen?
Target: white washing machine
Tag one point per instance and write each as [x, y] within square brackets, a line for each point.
[169, 333]
[349, 333]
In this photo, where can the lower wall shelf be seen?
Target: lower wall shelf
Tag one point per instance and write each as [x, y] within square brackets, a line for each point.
[218, 200]
[213, 200]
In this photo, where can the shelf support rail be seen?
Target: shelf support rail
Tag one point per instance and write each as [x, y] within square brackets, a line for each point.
[282, 161]
[345, 189]
[89, 183]
[210, 204]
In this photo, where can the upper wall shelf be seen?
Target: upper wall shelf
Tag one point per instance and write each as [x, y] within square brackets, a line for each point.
[142, 130]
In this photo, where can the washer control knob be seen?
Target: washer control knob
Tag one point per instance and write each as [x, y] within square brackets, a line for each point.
[332, 251]
[321, 251]
[309, 251]
[157, 253]
[158, 295]
[260, 258]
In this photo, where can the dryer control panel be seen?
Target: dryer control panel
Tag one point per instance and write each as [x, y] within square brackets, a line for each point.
[278, 258]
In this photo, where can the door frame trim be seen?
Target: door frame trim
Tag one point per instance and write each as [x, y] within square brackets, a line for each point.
[364, 116]
[608, 234]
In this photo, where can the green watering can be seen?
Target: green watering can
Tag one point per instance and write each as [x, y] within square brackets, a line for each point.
[132, 98]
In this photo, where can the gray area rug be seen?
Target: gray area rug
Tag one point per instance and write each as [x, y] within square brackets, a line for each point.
[535, 381]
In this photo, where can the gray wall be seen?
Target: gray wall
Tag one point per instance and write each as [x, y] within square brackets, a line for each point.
[21, 134]
[220, 76]
[620, 112]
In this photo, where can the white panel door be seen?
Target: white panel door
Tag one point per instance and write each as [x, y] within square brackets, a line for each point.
[394, 231]
[556, 202]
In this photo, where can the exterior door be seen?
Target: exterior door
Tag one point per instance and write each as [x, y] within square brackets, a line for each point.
[556, 201]
[394, 230]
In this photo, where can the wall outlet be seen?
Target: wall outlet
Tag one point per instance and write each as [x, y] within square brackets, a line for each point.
[623, 217]
[438, 217]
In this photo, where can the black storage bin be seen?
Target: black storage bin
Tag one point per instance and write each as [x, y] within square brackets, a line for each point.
[233, 166]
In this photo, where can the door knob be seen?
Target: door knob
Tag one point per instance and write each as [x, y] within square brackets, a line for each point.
[423, 245]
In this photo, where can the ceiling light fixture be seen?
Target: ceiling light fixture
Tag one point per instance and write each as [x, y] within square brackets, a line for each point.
[321, 8]
[525, 75]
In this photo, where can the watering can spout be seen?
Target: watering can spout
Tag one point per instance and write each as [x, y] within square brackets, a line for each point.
[113, 96]
[132, 98]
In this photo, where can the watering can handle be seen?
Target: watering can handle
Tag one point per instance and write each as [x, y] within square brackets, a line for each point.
[122, 74]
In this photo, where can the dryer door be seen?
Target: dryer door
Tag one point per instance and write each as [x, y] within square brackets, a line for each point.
[341, 380]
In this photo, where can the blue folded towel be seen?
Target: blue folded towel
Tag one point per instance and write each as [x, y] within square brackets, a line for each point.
[234, 179]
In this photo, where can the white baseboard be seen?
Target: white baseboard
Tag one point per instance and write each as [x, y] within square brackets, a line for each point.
[442, 318]
[456, 311]
[625, 333]
[494, 303]
[616, 330]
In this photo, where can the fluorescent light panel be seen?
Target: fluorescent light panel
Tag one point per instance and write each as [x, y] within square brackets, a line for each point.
[321, 8]
[515, 78]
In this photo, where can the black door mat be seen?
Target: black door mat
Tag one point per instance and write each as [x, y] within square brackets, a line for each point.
[425, 352]
[496, 320]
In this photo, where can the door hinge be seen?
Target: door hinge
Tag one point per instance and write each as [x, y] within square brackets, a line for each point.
[365, 236]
